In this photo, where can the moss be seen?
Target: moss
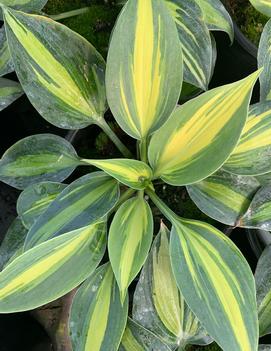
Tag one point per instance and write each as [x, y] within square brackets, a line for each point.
[249, 20]
[95, 25]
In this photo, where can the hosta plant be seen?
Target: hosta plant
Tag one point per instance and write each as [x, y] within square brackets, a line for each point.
[195, 286]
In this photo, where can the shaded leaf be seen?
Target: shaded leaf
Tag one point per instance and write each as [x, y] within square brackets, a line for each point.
[35, 199]
[264, 60]
[38, 158]
[6, 63]
[159, 306]
[9, 92]
[224, 196]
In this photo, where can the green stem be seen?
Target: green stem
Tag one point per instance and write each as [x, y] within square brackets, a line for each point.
[124, 197]
[143, 150]
[69, 14]
[167, 212]
[111, 134]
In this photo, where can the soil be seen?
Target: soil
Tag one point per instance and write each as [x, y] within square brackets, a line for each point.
[249, 20]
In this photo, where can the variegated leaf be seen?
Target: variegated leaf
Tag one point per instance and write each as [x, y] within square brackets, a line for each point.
[224, 196]
[263, 288]
[83, 202]
[159, 306]
[264, 60]
[216, 282]
[65, 83]
[263, 6]
[252, 154]
[195, 42]
[137, 338]
[216, 16]
[51, 269]
[38, 158]
[9, 92]
[6, 63]
[130, 238]
[25, 5]
[12, 245]
[35, 199]
[98, 318]
[144, 67]
[258, 213]
[135, 174]
[201, 134]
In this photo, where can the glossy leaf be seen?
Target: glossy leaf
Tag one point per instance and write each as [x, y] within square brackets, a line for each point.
[158, 305]
[252, 154]
[65, 83]
[35, 199]
[137, 338]
[12, 245]
[6, 63]
[216, 282]
[195, 42]
[25, 5]
[38, 158]
[264, 60]
[258, 213]
[130, 238]
[135, 174]
[224, 196]
[51, 269]
[216, 16]
[144, 67]
[201, 134]
[263, 286]
[98, 318]
[263, 6]
[9, 92]
[83, 202]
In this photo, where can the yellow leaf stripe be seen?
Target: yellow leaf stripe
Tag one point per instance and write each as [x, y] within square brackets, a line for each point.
[225, 285]
[189, 140]
[99, 317]
[60, 83]
[44, 266]
[129, 342]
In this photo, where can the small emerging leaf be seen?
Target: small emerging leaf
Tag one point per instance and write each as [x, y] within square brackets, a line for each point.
[9, 92]
[144, 67]
[263, 287]
[98, 317]
[135, 174]
[35, 199]
[51, 269]
[158, 305]
[137, 338]
[224, 196]
[201, 134]
[216, 282]
[252, 154]
[130, 238]
[65, 83]
[83, 202]
[38, 158]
